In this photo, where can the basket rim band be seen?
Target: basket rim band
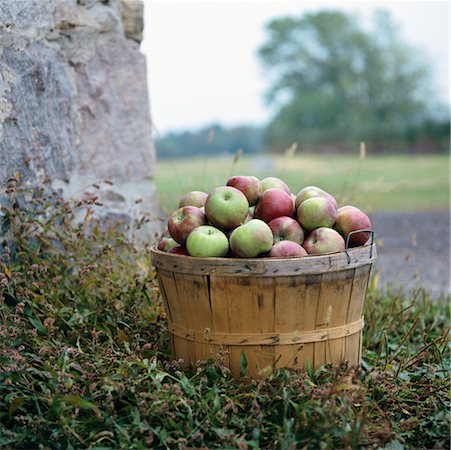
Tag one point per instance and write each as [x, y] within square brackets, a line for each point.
[296, 337]
[266, 267]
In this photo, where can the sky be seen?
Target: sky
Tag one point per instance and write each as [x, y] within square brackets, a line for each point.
[203, 66]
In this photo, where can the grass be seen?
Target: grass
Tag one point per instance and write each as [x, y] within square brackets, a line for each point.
[375, 183]
[84, 359]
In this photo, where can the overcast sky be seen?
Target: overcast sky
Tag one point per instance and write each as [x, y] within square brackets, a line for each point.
[202, 55]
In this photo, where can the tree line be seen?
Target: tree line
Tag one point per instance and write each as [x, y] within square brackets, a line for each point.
[334, 84]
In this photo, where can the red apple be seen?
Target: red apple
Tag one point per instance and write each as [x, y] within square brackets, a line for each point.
[274, 183]
[193, 198]
[323, 241]
[293, 197]
[316, 212]
[349, 218]
[166, 243]
[286, 249]
[286, 229]
[180, 250]
[273, 203]
[226, 207]
[182, 221]
[250, 186]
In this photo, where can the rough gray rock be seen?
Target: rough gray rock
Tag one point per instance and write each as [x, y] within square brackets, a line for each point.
[73, 97]
[133, 19]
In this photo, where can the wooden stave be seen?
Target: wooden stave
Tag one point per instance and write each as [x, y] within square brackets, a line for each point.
[271, 267]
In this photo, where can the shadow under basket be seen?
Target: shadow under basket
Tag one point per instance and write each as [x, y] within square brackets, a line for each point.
[269, 312]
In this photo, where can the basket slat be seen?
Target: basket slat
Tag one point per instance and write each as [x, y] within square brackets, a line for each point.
[355, 310]
[335, 292]
[220, 311]
[298, 313]
[169, 291]
[260, 306]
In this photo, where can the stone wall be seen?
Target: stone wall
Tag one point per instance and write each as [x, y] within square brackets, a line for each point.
[73, 98]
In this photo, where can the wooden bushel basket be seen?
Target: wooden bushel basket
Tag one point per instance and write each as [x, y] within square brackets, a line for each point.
[279, 312]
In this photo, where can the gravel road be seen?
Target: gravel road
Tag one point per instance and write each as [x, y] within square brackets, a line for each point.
[414, 249]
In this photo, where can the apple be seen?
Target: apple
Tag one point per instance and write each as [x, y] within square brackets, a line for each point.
[251, 239]
[207, 241]
[248, 218]
[166, 243]
[226, 207]
[193, 198]
[182, 221]
[180, 250]
[293, 197]
[313, 191]
[331, 198]
[273, 203]
[274, 183]
[249, 185]
[316, 212]
[286, 249]
[324, 240]
[286, 229]
[350, 218]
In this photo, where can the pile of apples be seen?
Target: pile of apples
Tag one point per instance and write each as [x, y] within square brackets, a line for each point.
[250, 218]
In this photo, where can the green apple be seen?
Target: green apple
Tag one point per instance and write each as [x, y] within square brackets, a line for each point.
[316, 212]
[251, 239]
[310, 192]
[226, 207]
[275, 183]
[207, 241]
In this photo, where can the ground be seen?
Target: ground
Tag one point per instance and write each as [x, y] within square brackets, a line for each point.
[85, 362]
[414, 249]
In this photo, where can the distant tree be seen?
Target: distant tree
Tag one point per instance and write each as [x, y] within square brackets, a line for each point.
[210, 140]
[334, 82]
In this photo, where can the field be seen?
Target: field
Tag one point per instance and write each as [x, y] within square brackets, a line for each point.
[85, 362]
[374, 183]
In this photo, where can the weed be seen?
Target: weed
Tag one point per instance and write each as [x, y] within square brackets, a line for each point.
[84, 359]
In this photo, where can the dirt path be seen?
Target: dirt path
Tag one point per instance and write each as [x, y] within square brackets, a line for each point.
[414, 249]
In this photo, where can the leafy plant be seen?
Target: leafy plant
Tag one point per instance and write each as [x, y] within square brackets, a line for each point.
[84, 360]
